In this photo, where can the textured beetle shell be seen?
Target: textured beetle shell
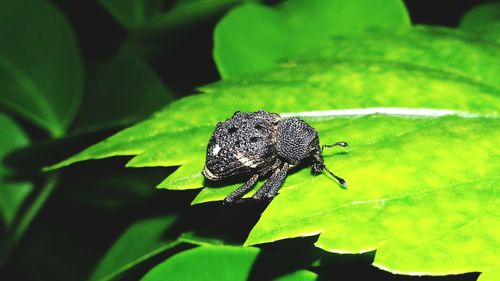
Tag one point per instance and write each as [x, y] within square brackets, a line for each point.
[258, 144]
[296, 140]
[243, 145]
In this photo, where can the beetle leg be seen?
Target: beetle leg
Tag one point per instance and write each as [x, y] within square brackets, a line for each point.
[271, 186]
[238, 193]
[339, 179]
[319, 165]
[339, 143]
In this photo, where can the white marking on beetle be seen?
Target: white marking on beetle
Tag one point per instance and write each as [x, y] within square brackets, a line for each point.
[245, 161]
[398, 111]
[216, 150]
[209, 175]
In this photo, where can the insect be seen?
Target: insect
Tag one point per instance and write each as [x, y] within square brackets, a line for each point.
[262, 144]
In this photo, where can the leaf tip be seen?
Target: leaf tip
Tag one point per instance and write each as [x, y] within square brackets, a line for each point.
[59, 165]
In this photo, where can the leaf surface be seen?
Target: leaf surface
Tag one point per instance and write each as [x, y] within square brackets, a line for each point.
[216, 263]
[426, 47]
[154, 15]
[41, 74]
[141, 241]
[121, 91]
[12, 193]
[423, 165]
[252, 38]
[483, 21]
[132, 14]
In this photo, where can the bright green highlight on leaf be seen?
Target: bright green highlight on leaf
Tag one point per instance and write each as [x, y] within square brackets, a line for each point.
[490, 276]
[12, 193]
[138, 243]
[253, 38]
[216, 263]
[42, 84]
[423, 174]
[416, 191]
[438, 49]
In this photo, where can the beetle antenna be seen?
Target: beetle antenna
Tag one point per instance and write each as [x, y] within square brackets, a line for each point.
[340, 180]
[339, 143]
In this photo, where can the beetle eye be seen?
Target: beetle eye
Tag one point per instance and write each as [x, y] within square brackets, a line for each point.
[254, 139]
[259, 127]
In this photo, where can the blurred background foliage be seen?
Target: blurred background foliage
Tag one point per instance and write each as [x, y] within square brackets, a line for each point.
[74, 72]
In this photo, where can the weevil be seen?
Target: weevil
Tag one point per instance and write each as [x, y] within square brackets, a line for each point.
[262, 144]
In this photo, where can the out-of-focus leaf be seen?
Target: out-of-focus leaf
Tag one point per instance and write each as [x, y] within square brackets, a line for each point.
[216, 263]
[41, 75]
[27, 217]
[12, 193]
[252, 38]
[122, 90]
[423, 173]
[56, 254]
[114, 190]
[149, 15]
[132, 14]
[483, 21]
[188, 11]
[138, 243]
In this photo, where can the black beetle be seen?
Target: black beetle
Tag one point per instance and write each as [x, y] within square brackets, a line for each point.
[258, 144]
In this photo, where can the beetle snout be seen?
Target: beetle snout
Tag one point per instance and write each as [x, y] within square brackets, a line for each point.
[209, 175]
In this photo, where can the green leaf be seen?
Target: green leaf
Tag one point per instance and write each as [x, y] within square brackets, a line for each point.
[348, 83]
[399, 180]
[154, 24]
[116, 190]
[200, 240]
[41, 75]
[138, 243]
[132, 14]
[151, 14]
[427, 47]
[483, 21]
[12, 193]
[490, 276]
[189, 11]
[253, 38]
[57, 253]
[216, 263]
[123, 90]
[423, 172]
[25, 220]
